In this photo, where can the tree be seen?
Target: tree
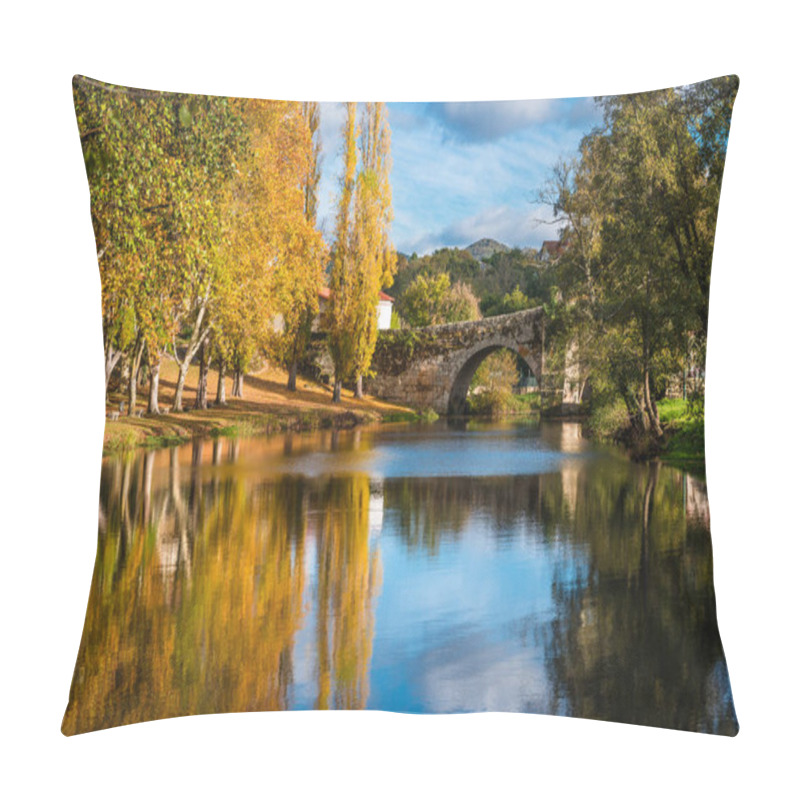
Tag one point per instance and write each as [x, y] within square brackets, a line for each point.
[364, 259]
[156, 164]
[431, 300]
[376, 260]
[211, 138]
[460, 304]
[423, 302]
[341, 340]
[493, 383]
[639, 212]
[308, 257]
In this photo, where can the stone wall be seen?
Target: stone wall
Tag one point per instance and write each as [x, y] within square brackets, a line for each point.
[431, 368]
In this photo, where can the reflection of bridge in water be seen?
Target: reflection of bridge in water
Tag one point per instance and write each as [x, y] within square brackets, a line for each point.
[432, 367]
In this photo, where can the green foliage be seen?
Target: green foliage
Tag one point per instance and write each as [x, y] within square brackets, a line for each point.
[685, 431]
[639, 211]
[432, 300]
[608, 421]
[423, 302]
[426, 415]
[493, 282]
[408, 339]
[671, 409]
[492, 385]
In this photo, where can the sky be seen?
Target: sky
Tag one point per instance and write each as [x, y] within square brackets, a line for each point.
[466, 171]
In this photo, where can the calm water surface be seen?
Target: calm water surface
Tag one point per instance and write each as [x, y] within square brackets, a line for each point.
[421, 569]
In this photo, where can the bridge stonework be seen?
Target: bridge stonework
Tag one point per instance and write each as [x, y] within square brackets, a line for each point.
[432, 367]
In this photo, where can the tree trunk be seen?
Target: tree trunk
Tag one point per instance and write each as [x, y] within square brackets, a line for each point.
[359, 393]
[221, 383]
[200, 332]
[238, 384]
[133, 380]
[177, 404]
[152, 403]
[650, 408]
[112, 357]
[337, 390]
[201, 401]
[291, 384]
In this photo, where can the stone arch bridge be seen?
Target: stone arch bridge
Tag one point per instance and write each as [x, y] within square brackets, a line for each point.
[433, 367]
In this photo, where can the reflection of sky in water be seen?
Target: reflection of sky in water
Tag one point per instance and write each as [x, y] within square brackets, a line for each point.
[503, 568]
[454, 632]
[487, 453]
[458, 629]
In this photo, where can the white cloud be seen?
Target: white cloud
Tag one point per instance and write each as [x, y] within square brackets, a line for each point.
[482, 121]
[515, 227]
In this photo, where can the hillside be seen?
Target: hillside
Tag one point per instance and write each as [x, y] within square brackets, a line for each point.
[486, 248]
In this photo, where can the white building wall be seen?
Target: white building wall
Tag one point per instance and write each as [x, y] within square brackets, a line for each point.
[384, 315]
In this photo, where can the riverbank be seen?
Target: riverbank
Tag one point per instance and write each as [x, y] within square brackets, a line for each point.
[267, 407]
[683, 442]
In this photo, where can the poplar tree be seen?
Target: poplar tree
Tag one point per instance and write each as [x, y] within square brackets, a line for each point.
[376, 259]
[299, 316]
[341, 321]
[364, 258]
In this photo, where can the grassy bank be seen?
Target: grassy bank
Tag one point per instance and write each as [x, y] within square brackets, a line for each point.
[683, 442]
[503, 404]
[267, 407]
[684, 435]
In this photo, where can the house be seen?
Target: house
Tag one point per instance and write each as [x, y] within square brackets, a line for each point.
[385, 304]
[383, 309]
[551, 250]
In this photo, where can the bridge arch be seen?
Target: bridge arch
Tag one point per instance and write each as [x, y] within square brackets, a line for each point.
[457, 400]
[433, 367]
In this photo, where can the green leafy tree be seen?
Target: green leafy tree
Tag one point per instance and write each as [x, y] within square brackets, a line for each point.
[639, 212]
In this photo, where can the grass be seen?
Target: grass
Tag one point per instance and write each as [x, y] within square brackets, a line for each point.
[683, 443]
[428, 415]
[684, 434]
[267, 407]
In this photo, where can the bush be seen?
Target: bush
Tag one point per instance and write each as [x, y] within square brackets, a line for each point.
[609, 421]
[491, 403]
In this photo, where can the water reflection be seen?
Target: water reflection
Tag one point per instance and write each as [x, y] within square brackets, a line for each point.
[435, 570]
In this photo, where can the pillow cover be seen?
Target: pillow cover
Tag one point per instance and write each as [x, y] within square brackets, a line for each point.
[404, 407]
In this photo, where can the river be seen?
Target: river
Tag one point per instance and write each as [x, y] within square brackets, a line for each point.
[431, 568]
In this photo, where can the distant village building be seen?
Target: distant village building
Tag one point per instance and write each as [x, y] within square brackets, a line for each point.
[551, 250]
[383, 309]
[385, 304]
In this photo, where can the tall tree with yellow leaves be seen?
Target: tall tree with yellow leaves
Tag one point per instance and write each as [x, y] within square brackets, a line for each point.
[341, 322]
[310, 254]
[376, 258]
[364, 259]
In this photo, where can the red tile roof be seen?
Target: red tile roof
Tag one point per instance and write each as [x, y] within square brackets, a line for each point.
[325, 294]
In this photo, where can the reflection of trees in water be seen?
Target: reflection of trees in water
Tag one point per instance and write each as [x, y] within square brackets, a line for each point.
[634, 635]
[197, 594]
[198, 590]
[196, 597]
[637, 641]
[426, 511]
[348, 578]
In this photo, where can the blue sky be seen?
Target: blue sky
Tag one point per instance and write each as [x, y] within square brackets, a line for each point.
[465, 171]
